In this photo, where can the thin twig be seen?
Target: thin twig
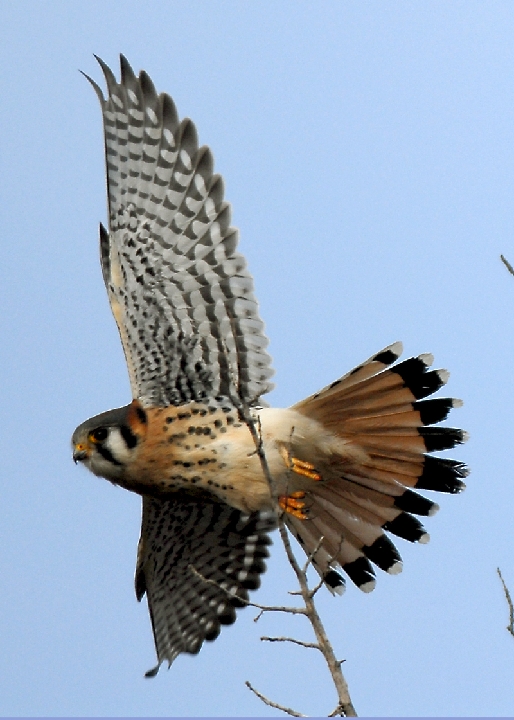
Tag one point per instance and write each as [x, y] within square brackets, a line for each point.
[510, 626]
[263, 608]
[507, 265]
[338, 710]
[315, 646]
[269, 702]
[312, 555]
[316, 588]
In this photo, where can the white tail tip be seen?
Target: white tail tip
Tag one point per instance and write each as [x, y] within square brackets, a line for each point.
[427, 358]
[396, 568]
[368, 586]
[444, 376]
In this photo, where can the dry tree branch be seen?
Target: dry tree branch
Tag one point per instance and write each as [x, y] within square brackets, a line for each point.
[510, 626]
[291, 640]
[345, 706]
[263, 608]
[507, 264]
[269, 702]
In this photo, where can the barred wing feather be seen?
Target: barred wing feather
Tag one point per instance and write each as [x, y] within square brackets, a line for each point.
[179, 290]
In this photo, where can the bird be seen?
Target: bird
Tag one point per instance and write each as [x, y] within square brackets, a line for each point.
[342, 468]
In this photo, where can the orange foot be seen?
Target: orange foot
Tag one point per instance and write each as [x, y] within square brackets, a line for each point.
[306, 469]
[294, 505]
[300, 467]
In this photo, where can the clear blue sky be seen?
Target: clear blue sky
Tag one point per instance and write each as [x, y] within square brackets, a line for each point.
[368, 153]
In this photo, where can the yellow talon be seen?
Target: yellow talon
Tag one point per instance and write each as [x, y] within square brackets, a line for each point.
[307, 469]
[300, 467]
[293, 504]
[298, 514]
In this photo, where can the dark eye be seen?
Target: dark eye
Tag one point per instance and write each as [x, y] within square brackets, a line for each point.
[98, 435]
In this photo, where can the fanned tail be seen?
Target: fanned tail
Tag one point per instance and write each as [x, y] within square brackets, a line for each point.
[380, 409]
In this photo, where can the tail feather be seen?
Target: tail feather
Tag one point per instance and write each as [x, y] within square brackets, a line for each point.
[344, 550]
[400, 385]
[430, 473]
[367, 369]
[379, 410]
[407, 441]
[373, 474]
[370, 509]
[361, 573]
[442, 475]
[358, 530]
[423, 412]
[385, 555]
[377, 507]
[407, 527]
[352, 487]
[399, 446]
[309, 538]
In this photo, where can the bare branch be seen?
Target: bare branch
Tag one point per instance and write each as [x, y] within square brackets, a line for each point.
[269, 702]
[276, 608]
[315, 646]
[507, 265]
[312, 555]
[263, 608]
[510, 626]
[317, 587]
[338, 710]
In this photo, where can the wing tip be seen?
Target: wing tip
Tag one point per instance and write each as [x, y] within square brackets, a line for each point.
[153, 671]
[95, 86]
[108, 73]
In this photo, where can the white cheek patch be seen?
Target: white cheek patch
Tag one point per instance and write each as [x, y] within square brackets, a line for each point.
[117, 446]
[99, 466]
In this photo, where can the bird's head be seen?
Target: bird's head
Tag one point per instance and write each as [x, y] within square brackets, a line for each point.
[107, 442]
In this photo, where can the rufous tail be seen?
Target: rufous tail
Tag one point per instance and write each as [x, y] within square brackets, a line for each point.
[379, 408]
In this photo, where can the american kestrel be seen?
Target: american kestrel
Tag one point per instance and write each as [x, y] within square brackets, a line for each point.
[344, 462]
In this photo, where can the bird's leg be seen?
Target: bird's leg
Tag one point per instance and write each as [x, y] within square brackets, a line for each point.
[294, 502]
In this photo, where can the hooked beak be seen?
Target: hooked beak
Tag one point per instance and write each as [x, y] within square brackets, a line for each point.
[79, 453]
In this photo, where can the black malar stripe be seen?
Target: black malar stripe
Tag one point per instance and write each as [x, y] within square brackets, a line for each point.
[107, 454]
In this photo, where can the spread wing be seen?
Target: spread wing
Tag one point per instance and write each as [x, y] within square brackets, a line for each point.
[196, 562]
[179, 290]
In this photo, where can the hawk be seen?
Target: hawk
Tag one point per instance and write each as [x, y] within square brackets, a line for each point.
[344, 464]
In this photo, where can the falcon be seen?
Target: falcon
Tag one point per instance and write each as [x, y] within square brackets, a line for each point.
[345, 464]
